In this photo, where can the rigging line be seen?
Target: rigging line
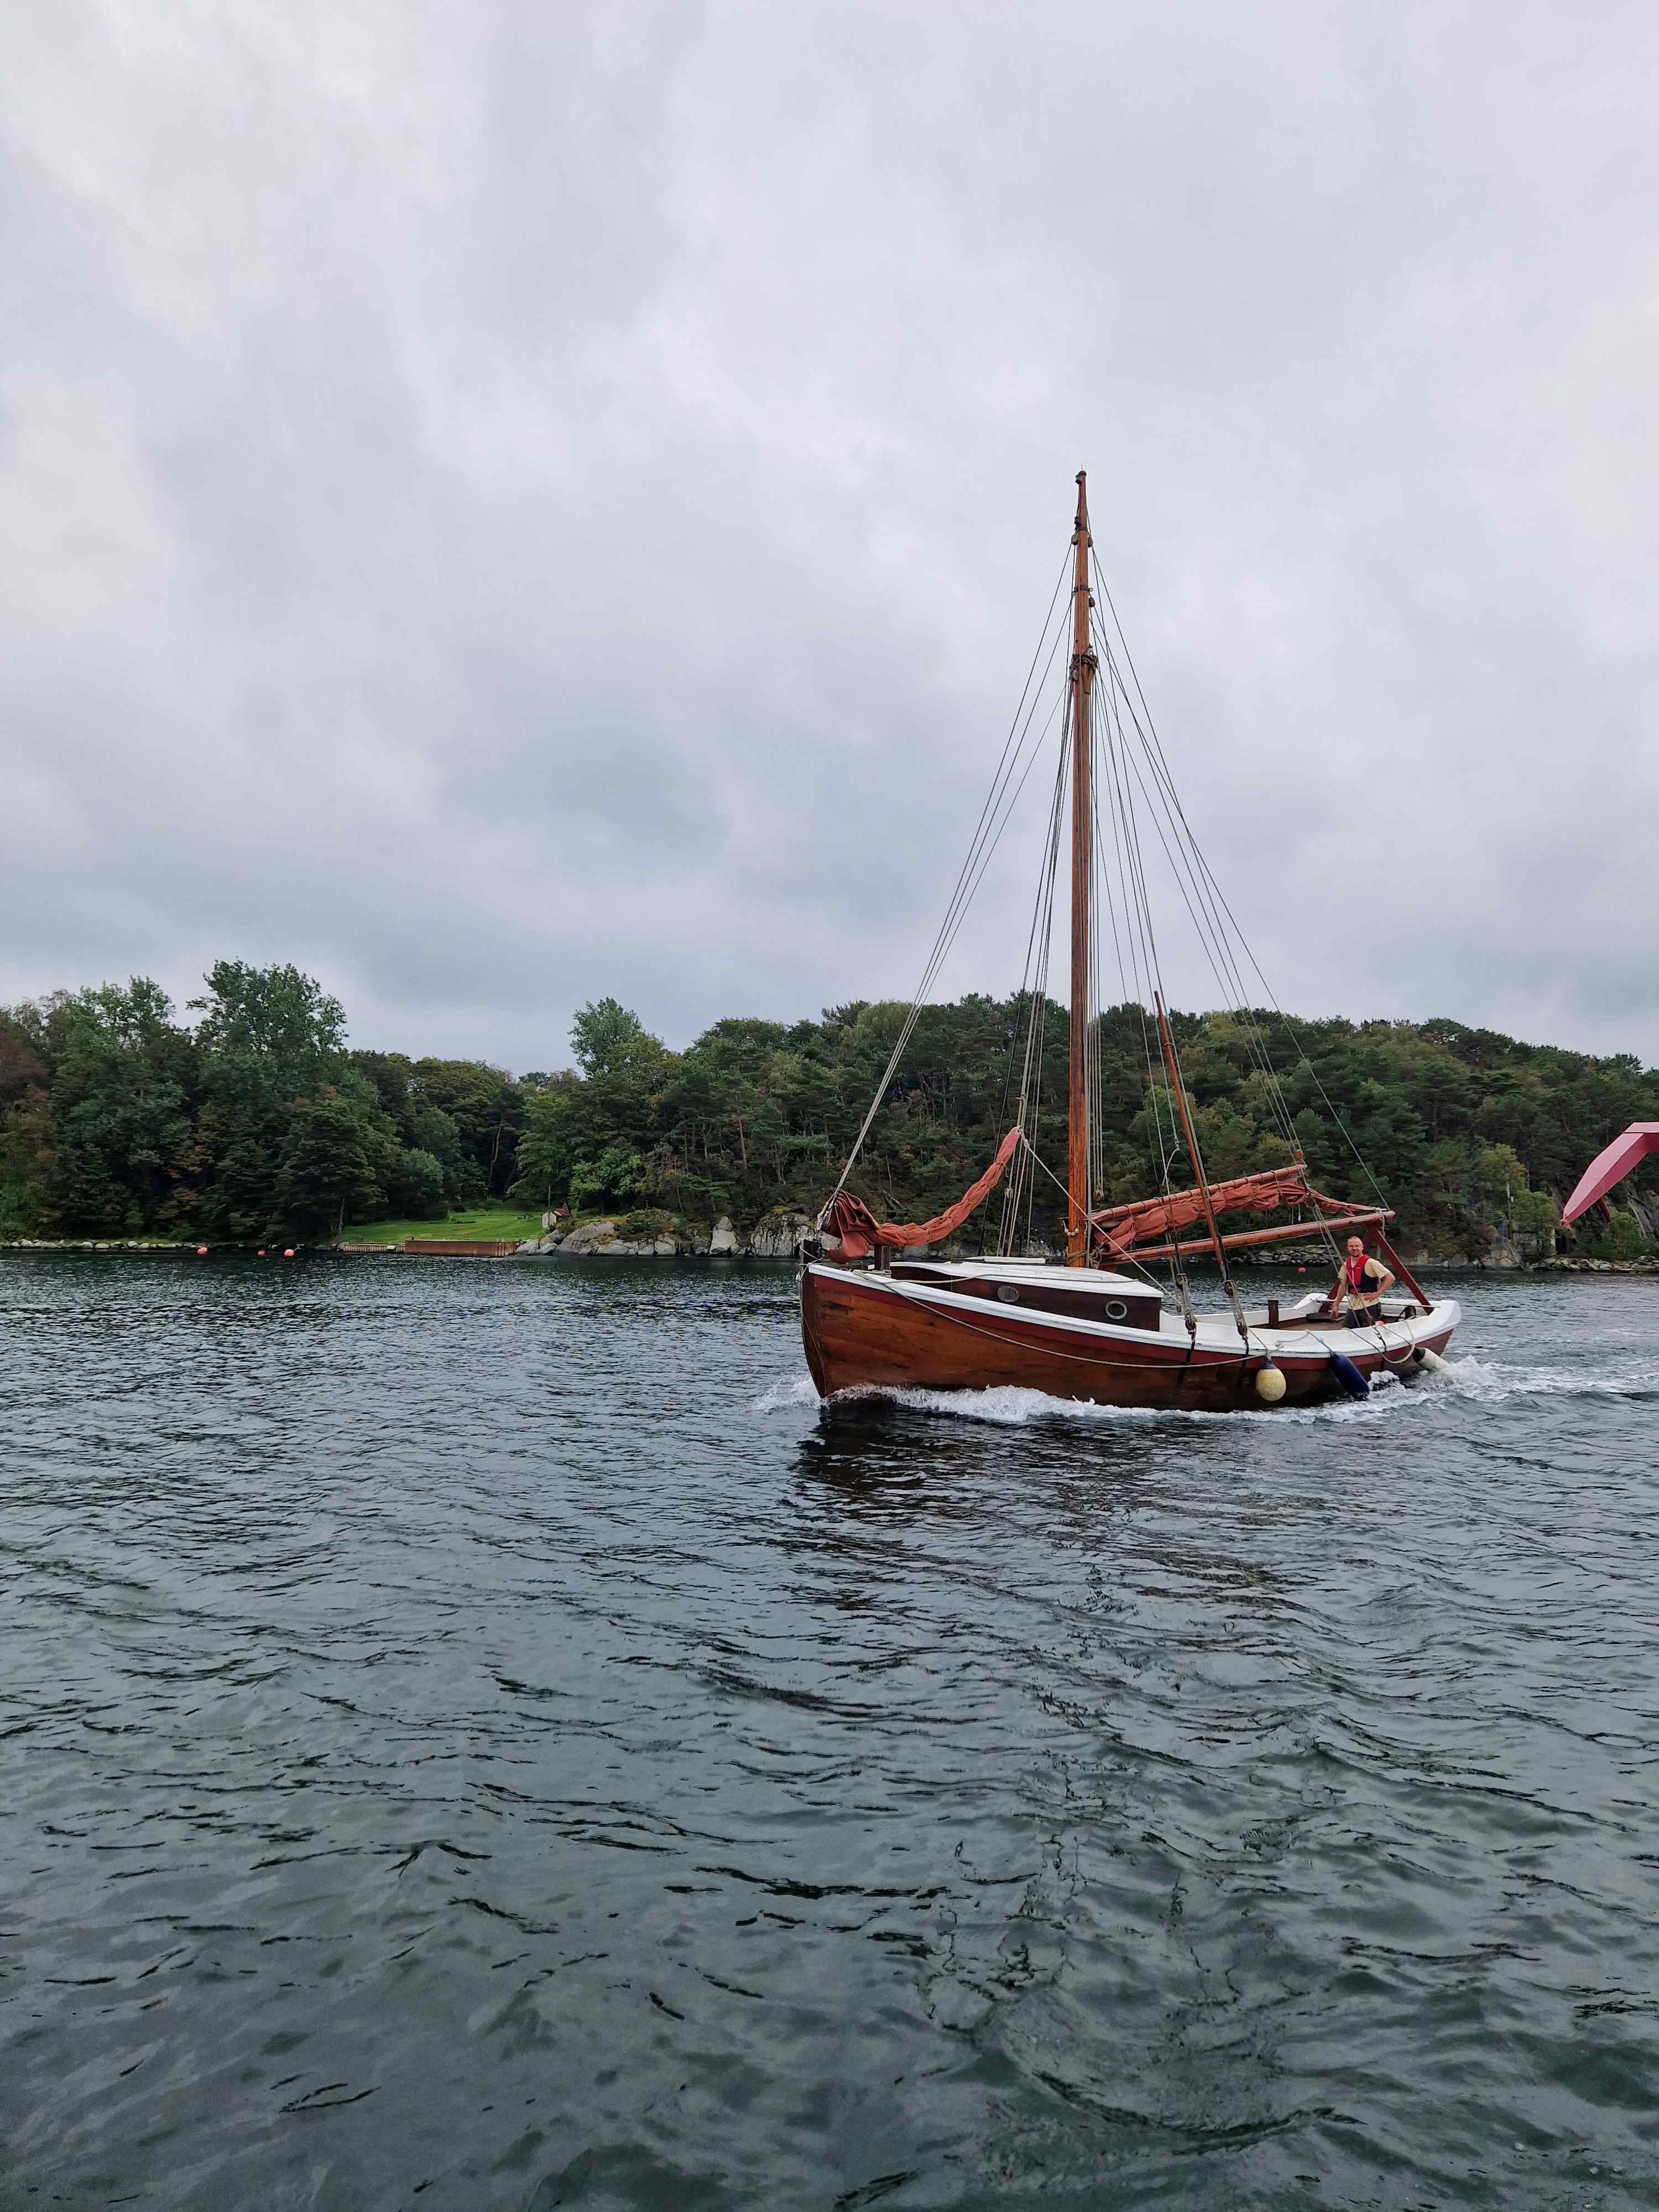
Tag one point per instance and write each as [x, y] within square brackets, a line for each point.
[1037, 1033]
[1038, 1043]
[1204, 883]
[1127, 998]
[1164, 1152]
[1132, 931]
[1149, 736]
[943, 948]
[1038, 1019]
[1237, 935]
[1025, 692]
[1133, 912]
[1257, 1053]
[1033, 972]
[989, 851]
[1296, 1038]
[1113, 737]
[1275, 1094]
[958, 905]
[1167, 1140]
[1000, 787]
[1145, 927]
[986, 842]
[967, 883]
[1099, 882]
[1252, 1025]
[1231, 980]
[1143, 896]
[1126, 1259]
[1034, 979]
[1320, 1228]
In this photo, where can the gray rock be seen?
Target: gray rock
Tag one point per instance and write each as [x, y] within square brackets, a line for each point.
[590, 1237]
[778, 1236]
[725, 1238]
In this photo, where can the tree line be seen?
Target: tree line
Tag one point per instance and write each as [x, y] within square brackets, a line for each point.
[256, 1119]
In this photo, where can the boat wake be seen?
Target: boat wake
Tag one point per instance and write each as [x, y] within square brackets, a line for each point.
[1481, 1380]
[1496, 1380]
[790, 1393]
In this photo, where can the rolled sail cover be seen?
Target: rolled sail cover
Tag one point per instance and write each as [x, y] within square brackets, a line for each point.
[1148, 1221]
[851, 1219]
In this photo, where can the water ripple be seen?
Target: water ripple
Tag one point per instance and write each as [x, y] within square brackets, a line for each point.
[482, 1736]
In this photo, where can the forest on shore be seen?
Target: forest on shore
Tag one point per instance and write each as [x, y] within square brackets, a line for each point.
[251, 1117]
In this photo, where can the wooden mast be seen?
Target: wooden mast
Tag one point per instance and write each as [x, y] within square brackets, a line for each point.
[1077, 1193]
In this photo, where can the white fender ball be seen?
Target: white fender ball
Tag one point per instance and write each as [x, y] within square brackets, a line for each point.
[1269, 1385]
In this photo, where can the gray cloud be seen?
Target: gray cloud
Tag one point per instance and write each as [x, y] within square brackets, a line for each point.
[508, 504]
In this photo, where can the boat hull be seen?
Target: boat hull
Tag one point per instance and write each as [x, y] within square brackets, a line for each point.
[863, 1331]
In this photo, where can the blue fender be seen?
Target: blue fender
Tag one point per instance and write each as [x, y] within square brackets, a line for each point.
[1349, 1376]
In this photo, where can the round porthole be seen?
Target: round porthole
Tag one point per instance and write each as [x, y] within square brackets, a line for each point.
[1116, 1310]
[1008, 1294]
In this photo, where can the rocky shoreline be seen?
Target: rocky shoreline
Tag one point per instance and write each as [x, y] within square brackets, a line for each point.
[774, 1237]
[779, 1236]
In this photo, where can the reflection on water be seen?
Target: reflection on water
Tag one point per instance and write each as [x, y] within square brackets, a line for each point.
[485, 1736]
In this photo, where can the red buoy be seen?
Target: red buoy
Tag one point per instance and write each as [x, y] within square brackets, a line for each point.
[201, 1251]
[288, 1254]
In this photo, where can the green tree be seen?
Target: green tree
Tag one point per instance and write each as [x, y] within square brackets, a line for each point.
[268, 1038]
[26, 1125]
[416, 1187]
[338, 1155]
[561, 1125]
[485, 1108]
[608, 1179]
[609, 1038]
[123, 1096]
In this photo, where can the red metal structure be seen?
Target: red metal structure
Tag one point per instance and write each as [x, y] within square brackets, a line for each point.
[1612, 1165]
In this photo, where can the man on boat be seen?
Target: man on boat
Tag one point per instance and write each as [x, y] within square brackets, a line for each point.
[1358, 1289]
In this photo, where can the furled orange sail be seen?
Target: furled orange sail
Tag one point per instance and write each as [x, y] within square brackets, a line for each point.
[1148, 1220]
[851, 1219]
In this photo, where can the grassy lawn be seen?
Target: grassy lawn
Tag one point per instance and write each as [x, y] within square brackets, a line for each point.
[479, 1225]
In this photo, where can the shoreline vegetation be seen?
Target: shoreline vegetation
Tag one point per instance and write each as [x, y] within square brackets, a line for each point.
[249, 1121]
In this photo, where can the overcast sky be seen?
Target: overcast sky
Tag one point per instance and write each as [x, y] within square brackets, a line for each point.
[508, 503]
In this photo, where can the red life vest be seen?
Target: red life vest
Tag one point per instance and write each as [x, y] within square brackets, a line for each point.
[1354, 1270]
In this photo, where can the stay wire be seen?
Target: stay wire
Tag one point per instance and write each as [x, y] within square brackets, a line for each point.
[981, 847]
[1217, 904]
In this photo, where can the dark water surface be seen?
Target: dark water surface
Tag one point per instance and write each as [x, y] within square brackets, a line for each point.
[477, 1735]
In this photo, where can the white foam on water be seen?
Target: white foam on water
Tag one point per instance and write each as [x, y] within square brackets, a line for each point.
[786, 1395]
[1012, 1408]
[1491, 1382]
[1006, 1407]
[1496, 1380]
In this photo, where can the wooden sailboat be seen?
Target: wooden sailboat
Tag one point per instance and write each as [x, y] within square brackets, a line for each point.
[1100, 1326]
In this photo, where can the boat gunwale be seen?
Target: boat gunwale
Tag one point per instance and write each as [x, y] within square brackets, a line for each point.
[1299, 1348]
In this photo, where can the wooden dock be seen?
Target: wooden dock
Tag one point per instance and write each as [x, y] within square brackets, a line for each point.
[445, 1247]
